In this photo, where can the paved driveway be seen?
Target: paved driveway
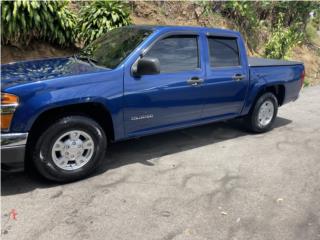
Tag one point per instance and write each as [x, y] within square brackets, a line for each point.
[209, 182]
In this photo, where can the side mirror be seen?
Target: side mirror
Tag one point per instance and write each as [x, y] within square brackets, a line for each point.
[146, 66]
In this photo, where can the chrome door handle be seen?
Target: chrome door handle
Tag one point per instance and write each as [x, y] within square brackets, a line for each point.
[238, 77]
[195, 81]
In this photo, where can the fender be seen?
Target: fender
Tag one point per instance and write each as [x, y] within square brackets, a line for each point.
[256, 86]
[106, 89]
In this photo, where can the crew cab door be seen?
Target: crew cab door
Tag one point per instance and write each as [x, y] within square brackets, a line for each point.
[227, 79]
[172, 97]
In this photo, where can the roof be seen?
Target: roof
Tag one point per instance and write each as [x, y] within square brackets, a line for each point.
[183, 28]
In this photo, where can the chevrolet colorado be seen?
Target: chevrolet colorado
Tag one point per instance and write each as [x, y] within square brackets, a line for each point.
[60, 114]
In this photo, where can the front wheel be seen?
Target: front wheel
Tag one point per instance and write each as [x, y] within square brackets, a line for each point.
[70, 149]
[263, 114]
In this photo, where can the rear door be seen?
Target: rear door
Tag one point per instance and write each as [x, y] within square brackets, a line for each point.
[227, 79]
[171, 98]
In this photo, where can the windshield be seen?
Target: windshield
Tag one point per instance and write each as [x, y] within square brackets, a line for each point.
[113, 47]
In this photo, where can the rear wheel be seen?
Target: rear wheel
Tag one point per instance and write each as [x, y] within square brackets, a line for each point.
[70, 149]
[263, 114]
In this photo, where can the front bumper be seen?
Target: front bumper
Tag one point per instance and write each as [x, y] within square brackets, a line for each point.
[13, 148]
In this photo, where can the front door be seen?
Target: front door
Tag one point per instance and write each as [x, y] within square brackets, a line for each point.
[171, 98]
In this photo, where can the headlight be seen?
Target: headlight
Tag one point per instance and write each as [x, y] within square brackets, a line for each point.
[9, 103]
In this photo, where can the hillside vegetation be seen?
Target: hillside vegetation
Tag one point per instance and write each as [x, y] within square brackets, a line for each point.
[271, 29]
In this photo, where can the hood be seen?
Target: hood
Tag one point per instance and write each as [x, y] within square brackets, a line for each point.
[17, 73]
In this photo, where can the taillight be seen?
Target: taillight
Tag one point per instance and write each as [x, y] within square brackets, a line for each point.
[302, 78]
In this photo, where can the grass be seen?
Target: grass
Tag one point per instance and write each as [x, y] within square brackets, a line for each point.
[306, 82]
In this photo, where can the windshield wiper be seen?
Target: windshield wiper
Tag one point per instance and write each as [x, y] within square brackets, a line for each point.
[91, 60]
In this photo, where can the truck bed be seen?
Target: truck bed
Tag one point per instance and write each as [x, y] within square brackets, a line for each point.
[264, 62]
[269, 72]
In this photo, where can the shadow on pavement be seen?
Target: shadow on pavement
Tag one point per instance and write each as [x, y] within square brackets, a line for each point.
[142, 150]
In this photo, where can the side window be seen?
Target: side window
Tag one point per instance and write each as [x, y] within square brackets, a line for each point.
[224, 52]
[176, 53]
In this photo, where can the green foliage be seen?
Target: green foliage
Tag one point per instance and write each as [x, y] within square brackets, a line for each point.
[282, 40]
[306, 82]
[99, 17]
[291, 12]
[286, 20]
[316, 19]
[23, 21]
[311, 33]
[244, 15]
[291, 27]
[313, 26]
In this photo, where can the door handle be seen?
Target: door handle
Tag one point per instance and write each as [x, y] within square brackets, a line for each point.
[238, 77]
[195, 81]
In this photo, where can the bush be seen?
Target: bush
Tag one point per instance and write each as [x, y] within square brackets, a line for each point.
[244, 14]
[23, 21]
[311, 32]
[255, 19]
[99, 17]
[292, 12]
[282, 40]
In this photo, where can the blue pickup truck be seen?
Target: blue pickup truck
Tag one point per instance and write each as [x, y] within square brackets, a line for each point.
[60, 114]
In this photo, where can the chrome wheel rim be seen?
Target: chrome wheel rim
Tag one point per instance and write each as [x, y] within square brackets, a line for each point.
[72, 150]
[265, 114]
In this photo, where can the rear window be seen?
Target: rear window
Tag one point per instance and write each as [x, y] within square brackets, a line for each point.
[224, 52]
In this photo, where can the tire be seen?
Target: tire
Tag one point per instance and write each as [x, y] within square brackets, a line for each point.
[78, 137]
[263, 122]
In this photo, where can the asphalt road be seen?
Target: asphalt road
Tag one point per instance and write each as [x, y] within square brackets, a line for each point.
[209, 182]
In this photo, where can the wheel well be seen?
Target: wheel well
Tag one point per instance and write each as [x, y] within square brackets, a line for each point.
[95, 111]
[277, 90]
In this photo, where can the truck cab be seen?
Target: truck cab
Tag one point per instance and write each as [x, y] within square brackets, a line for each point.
[190, 71]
